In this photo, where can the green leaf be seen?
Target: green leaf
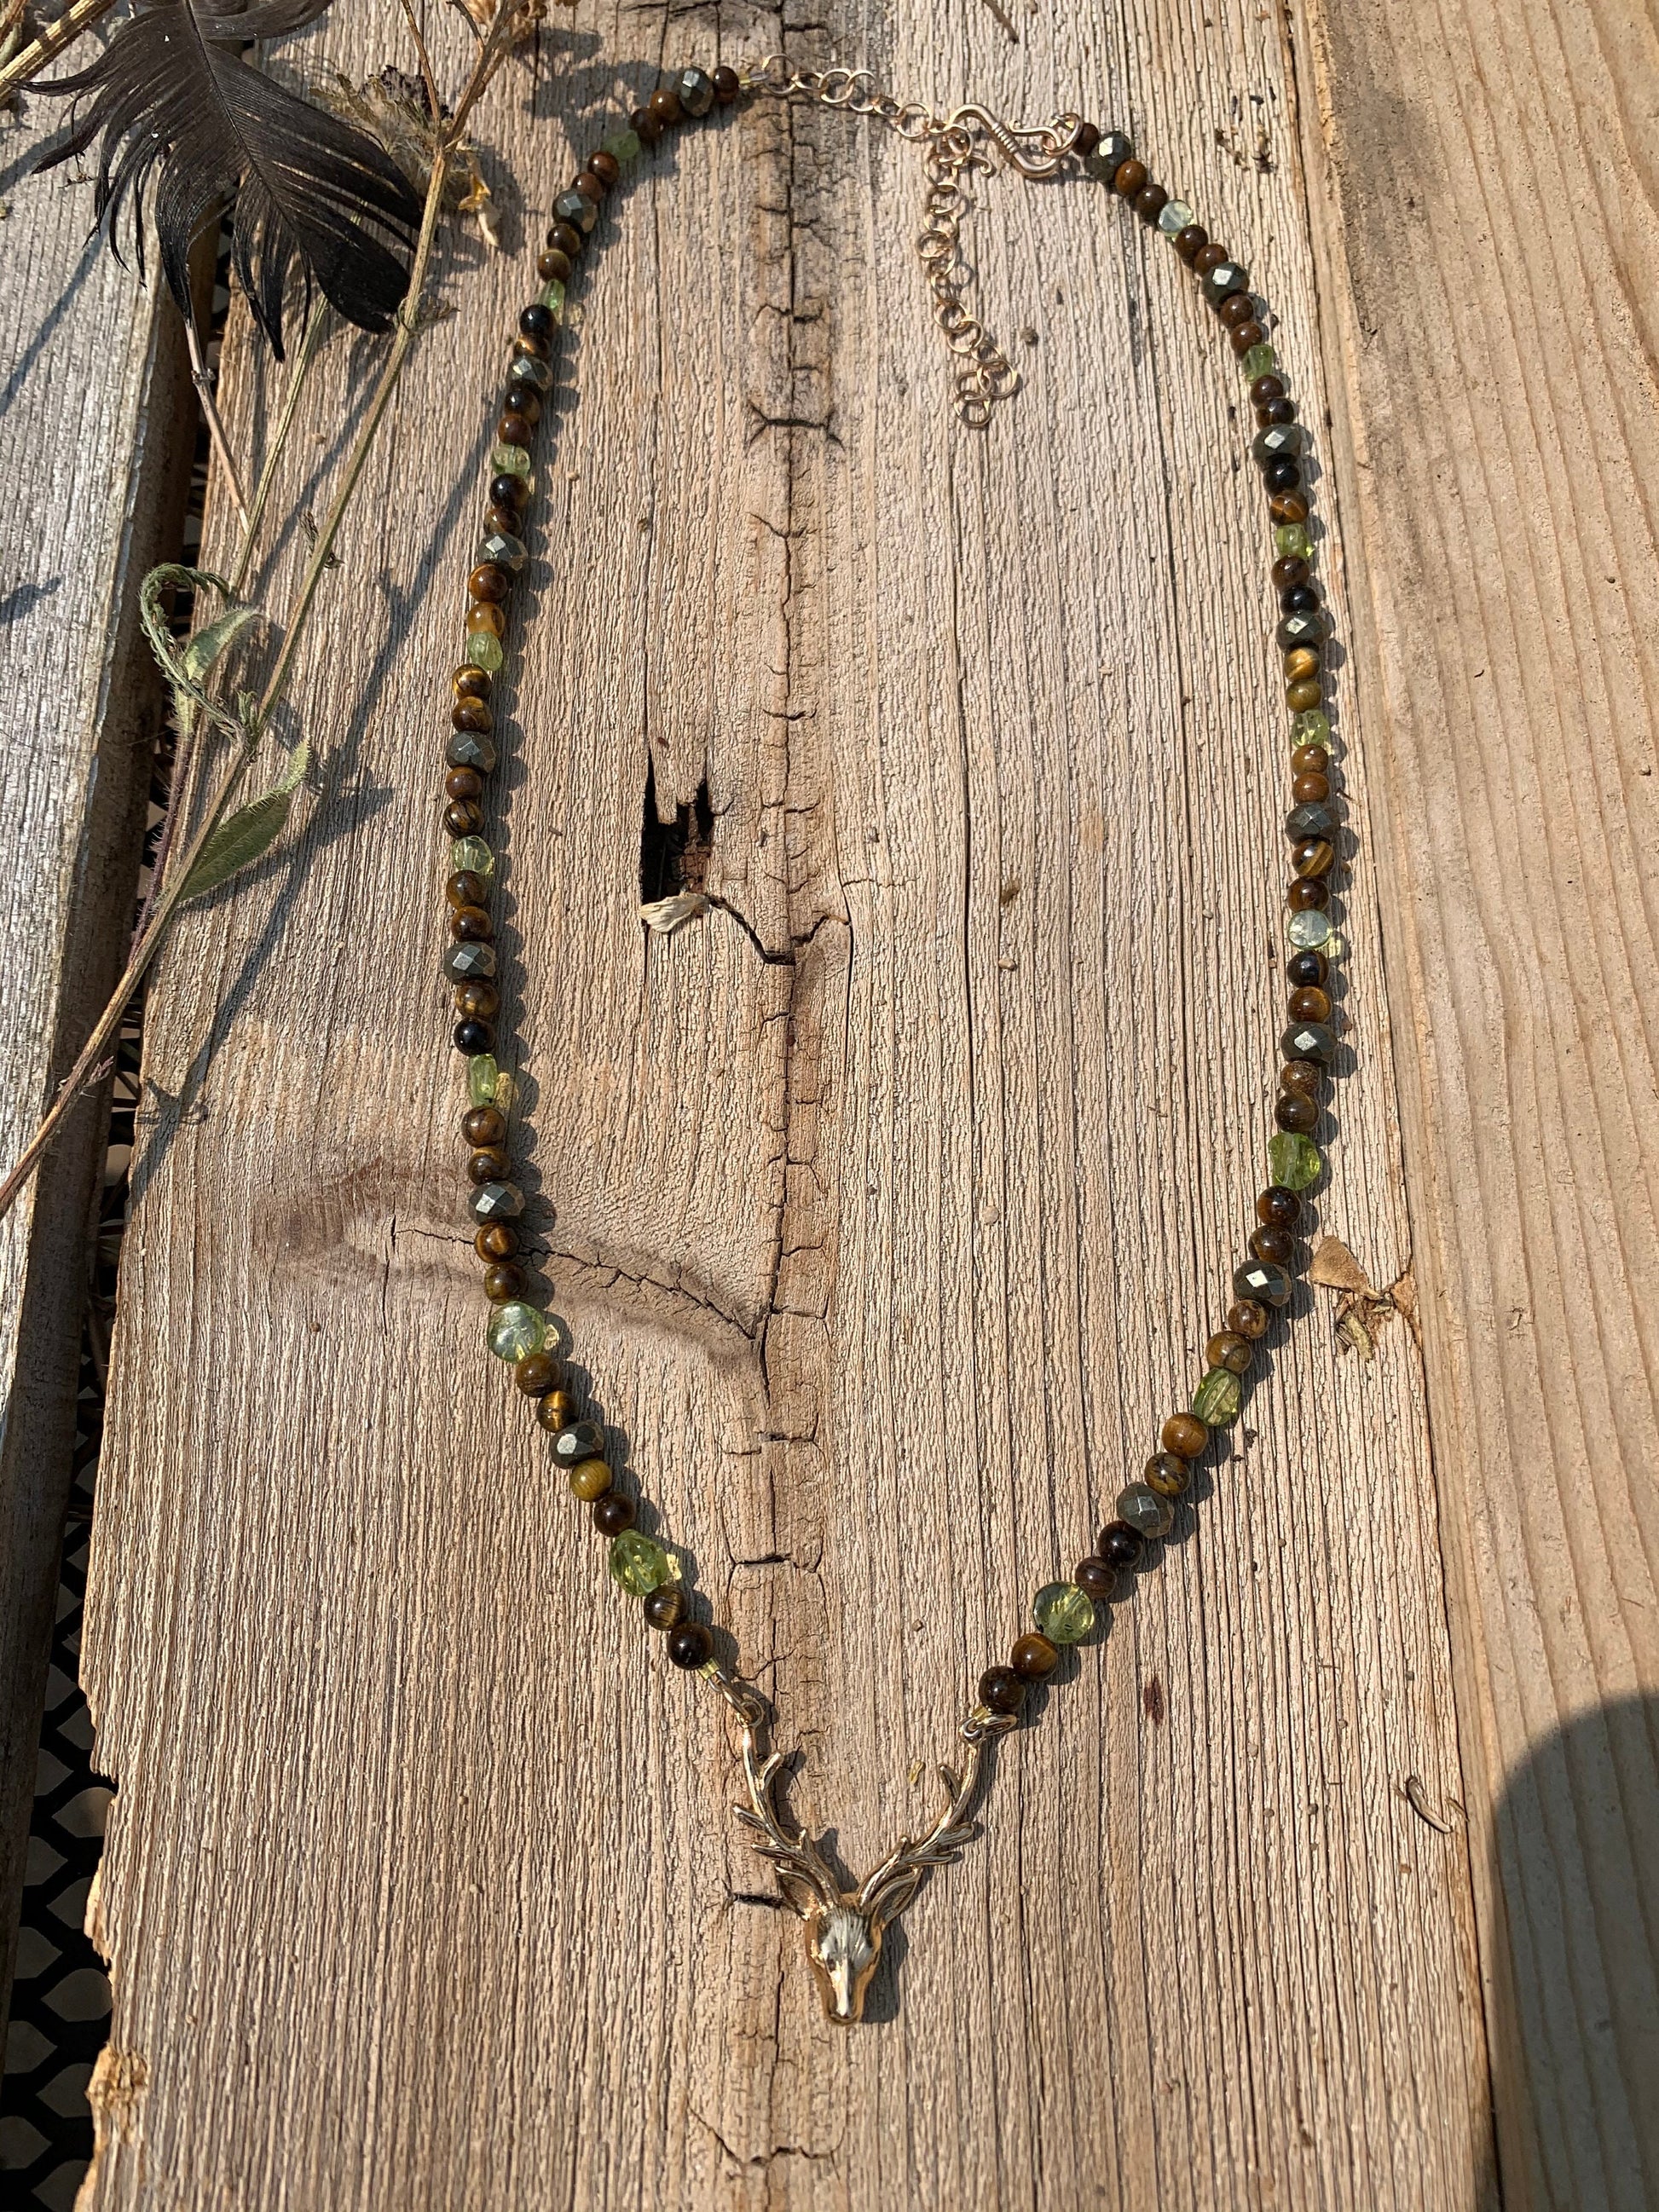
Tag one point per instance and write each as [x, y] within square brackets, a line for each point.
[247, 834]
[202, 650]
[187, 667]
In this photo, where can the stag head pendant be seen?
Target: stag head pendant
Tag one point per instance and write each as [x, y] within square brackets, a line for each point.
[844, 1927]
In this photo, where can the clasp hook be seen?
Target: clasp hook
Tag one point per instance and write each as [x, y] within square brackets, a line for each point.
[1034, 150]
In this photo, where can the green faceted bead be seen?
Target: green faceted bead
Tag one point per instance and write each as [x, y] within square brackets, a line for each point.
[1293, 1160]
[509, 460]
[1312, 727]
[639, 1565]
[1063, 1612]
[623, 146]
[1291, 539]
[515, 1330]
[472, 854]
[1259, 360]
[1218, 1398]
[484, 651]
[1310, 930]
[482, 1077]
[552, 295]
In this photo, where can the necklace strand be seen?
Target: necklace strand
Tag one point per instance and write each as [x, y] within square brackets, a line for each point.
[844, 1926]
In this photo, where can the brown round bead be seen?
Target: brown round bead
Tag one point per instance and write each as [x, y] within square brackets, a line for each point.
[1167, 1472]
[1249, 1317]
[1277, 1245]
[664, 1609]
[1310, 1004]
[497, 1240]
[1128, 177]
[1265, 389]
[555, 1411]
[1150, 202]
[589, 1478]
[665, 108]
[1228, 1350]
[1001, 1689]
[503, 1279]
[1191, 241]
[590, 187]
[689, 1645]
[471, 714]
[464, 783]
[1278, 1207]
[464, 888]
[1288, 507]
[471, 683]
[1033, 1656]
[1304, 695]
[484, 1125]
[470, 924]
[512, 429]
[1209, 257]
[489, 1164]
[536, 1373]
[1242, 335]
[1311, 760]
[1303, 1076]
[605, 166]
[569, 240]
[1301, 660]
[1095, 1579]
[1304, 788]
[488, 581]
[613, 1513]
[1314, 856]
[645, 126]
[1308, 892]
[1087, 139]
[727, 84]
[476, 1000]
[521, 400]
[1120, 1545]
[1236, 307]
[1289, 572]
[552, 265]
[528, 346]
[505, 522]
[1269, 411]
[1184, 1435]
[1296, 1114]
[463, 818]
[482, 615]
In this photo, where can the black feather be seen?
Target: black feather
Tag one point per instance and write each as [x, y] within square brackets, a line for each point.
[174, 104]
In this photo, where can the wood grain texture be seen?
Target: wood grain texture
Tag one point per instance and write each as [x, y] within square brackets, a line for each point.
[1494, 264]
[95, 459]
[887, 1208]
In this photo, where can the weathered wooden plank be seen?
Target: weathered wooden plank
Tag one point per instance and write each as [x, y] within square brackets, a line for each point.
[1494, 272]
[95, 459]
[887, 1208]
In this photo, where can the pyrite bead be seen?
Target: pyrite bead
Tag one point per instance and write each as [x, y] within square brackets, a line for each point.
[577, 209]
[1120, 1545]
[1113, 151]
[613, 1514]
[1034, 1656]
[1309, 1040]
[1145, 1510]
[581, 1440]
[1184, 1435]
[1222, 279]
[1228, 1350]
[589, 1478]
[536, 1373]
[1095, 1578]
[696, 91]
[689, 1645]
[1001, 1690]
[1270, 1242]
[1302, 628]
[1168, 1473]
[1310, 822]
[1278, 1207]
[464, 961]
[470, 749]
[497, 1199]
[664, 1609]
[1249, 1317]
[1261, 1280]
[1280, 441]
[501, 549]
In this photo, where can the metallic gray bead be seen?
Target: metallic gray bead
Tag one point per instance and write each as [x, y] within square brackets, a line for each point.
[1313, 819]
[1261, 1280]
[506, 552]
[470, 749]
[1280, 441]
[581, 1440]
[577, 209]
[1143, 1510]
[497, 1201]
[1309, 1040]
[1226, 276]
[526, 370]
[1113, 151]
[696, 90]
[1300, 629]
[463, 962]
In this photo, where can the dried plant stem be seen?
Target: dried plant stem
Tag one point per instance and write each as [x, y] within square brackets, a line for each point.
[167, 896]
[201, 377]
[80, 17]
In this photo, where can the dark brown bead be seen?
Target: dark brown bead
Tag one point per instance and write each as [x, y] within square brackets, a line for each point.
[1236, 307]
[590, 187]
[536, 1373]
[567, 237]
[488, 1164]
[484, 1125]
[1310, 1004]
[513, 430]
[1242, 335]
[1307, 892]
[1001, 1689]
[1304, 788]
[464, 888]
[665, 108]
[1167, 1472]
[464, 817]
[1150, 202]
[1095, 1579]
[503, 1279]
[605, 166]
[1087, 139]
[1033, 1656]
[1120, 1545]
[508, 490]
[1184, 1435]
[471, 714]
[553, 265]
[1275, 1245]
[1290, 571]
[1306, 1076]
[1278, 1207]
[497, 1240]
[1264, 390]
[487, 582]
[1209, 257]
[645, 126]
[1128, 177]
[1269, 411]
[1296, 1113]
[1249, 1317]
[1190, 242]
[664, 1608]
[470, 682]
[728, 85]
[1288, 507]
[613, 1513]
[470, 924]
[484, 615]
[1307, 966]
[537, 322]
[689, 1645]
[519, 399]
[503, 520]
[1309, 760]
[1226, 1348]
[477, 999]
[463, 783]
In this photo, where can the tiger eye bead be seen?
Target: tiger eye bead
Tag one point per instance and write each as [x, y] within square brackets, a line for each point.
[553, 1413]
[566, 240]
[1249, 1317]
[1275, 1245]
[487, 582]
[481, 616]
[1167, 1472]
[688, 1645]
[554, 265]
[589, 1478]
[1314, 856]
[1224, 1349]
[512, 429]
[470, 924]
[1288, 507]
[1301, 660]
[1309, 760]
[1301, 1076]
[1309, 1005]
[1307, 892]
[1033, 1656]
[1305, 693]
[477, 1000]
[1310, 789]
[471, 714]
[489, 1164]
[1298, 1115]
[1184, 1435]
[497, 1240]
[471, 683]
[536, 1373]
[1290, 570]
[522, 400]
[464, 817]
[1277, 1208]
[503, 1280]
[1120, 1545]
[484, 1125]
[509, 491]
[464, 889]
[1001, 1690]
[664, 1606]
[463, 783]
[613, 1513]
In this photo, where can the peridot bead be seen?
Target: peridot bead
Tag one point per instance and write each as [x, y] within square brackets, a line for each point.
[552, 295]
[1295, 1162]
[482, 1075]
[1310, 929]
[1218, 1398]
[1063, 1612]
[1290, 539]
[472, 854]
[1312, 727]
[484, 651]
[1259, 361]
[639, 1565]
[515, 1330]
[623, 146]
[509, 460]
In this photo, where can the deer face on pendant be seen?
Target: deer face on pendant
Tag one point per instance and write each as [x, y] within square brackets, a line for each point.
[843, 1943]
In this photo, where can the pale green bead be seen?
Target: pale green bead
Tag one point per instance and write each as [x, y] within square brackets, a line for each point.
[1063, 1612]
[472, 854]
[484, 651]
[1259, 360]
[1218, 1398]
[623, 146]
[1310, 929]
[1293, 1160]
[1291, 539]
[482, 1077]
[509, 460]
[1173, 215]
[1312, 727]
[552, 295]
[640, 1564]
[515, 1330]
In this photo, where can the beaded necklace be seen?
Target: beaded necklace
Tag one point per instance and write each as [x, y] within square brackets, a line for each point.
[844, 1926]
